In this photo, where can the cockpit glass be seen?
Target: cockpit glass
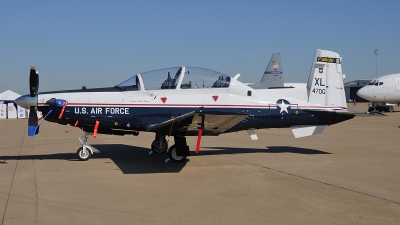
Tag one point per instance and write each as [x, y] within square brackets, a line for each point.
[162, 79]
[375, 82]
[132, 84]
[193, 77]
[372, 82]
[196, 77]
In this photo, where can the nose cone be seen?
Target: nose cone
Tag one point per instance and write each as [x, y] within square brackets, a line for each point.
[364, 93]
[26, 101]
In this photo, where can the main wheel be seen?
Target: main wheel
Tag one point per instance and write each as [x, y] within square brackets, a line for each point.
[173, 156]
[83, 155]
[159, 147]
[391, 109]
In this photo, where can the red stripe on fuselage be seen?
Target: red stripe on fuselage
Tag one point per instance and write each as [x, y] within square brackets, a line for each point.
[193, 105]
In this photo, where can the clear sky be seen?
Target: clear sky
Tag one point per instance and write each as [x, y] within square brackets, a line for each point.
[101, 43]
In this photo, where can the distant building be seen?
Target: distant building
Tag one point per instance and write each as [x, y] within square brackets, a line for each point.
[351, 88]
[8, 109]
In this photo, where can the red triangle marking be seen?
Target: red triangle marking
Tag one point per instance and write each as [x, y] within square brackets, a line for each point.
[164, 99]
[215, 97]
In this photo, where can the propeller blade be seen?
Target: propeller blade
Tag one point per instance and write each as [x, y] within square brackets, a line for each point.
[33, 122]
[33, 82]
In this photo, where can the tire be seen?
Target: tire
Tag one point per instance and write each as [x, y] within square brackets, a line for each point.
[83, 155]
[159, 148]
[172, 154]
[391, 109]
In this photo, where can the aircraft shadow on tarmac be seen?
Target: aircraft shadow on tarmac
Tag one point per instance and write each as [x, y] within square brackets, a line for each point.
[136, 160]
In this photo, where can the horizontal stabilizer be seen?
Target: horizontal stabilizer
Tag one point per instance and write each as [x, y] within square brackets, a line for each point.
[346, 112]
[359, 113]
[305, 130]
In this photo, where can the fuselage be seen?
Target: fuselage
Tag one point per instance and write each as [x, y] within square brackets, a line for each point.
[136, 110]
[382, 89]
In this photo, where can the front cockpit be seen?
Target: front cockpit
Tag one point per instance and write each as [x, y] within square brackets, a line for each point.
[176, 78]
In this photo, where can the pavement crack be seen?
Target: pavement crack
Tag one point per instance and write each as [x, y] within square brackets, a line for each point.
[12, 180]
[317, 181]
[36, 190]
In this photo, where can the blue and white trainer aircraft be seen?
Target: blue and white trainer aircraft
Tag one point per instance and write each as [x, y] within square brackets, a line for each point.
[189, 101]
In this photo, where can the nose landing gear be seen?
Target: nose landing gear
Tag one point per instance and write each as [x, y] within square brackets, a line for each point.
[85, 152]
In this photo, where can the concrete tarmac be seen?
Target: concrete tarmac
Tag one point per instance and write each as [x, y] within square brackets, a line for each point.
[349, 174]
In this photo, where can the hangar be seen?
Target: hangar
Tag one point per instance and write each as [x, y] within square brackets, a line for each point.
[351, 88]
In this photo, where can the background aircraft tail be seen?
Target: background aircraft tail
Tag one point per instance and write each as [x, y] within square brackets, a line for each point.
[273, 77]
[325, 84]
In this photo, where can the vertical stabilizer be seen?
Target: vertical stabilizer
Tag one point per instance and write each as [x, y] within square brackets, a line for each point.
[325, 84]
[273, 77]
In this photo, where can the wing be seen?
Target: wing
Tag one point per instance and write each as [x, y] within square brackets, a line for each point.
[213, 122]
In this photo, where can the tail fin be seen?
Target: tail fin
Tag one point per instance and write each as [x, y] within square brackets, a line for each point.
[273, 76]
[325, 84]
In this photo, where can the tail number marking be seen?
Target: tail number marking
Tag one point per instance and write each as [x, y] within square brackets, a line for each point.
[318, 82]
[318, 91]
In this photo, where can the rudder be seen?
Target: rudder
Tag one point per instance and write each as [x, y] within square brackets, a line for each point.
[273, 77]
[325, 83]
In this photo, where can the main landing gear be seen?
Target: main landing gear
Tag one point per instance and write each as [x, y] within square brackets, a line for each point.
[159, 146]
[85, 152]
[176, 153]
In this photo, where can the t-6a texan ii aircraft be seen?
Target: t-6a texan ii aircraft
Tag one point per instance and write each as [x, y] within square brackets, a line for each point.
[189, 101]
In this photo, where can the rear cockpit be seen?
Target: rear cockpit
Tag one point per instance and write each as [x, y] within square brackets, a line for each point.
[176, 78]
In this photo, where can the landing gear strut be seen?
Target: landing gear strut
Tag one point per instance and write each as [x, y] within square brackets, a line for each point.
[179, 151]
[159, 146]
[85, 152]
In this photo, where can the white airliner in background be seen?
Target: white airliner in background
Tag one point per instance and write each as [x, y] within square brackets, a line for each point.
[385, 89]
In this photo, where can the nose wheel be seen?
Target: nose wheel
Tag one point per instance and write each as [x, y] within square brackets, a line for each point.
[85, 152]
